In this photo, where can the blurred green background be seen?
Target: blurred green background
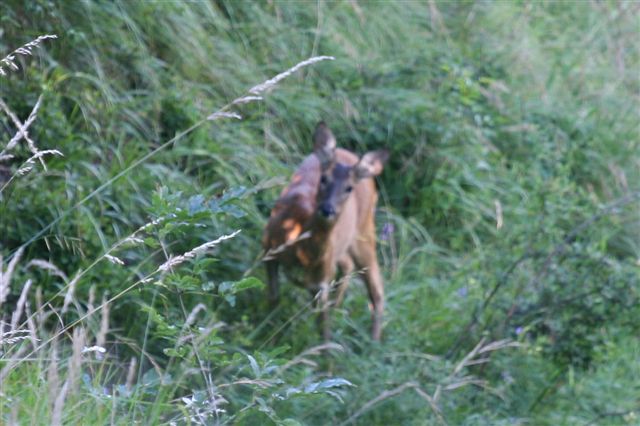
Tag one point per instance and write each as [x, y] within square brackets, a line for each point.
[510, 201]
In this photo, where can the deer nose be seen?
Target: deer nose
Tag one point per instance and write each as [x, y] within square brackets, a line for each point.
[327, 210]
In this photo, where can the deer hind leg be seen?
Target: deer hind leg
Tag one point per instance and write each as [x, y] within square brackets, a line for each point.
[366, 259]
[375, 287]
[346, 269]
[320, 295]
[323, 279]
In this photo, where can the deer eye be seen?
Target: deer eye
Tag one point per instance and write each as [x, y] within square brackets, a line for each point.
[349, 188]
[323, 180]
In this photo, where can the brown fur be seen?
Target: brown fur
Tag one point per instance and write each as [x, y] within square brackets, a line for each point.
[346, 240]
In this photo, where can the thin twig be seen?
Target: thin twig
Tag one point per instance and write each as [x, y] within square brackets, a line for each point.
[391, 393]
[621, 413]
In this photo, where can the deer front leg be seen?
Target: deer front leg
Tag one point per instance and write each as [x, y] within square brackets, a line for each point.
[322, 292]
[346, 269]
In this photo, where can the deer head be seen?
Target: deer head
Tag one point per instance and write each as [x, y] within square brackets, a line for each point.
[338, 180]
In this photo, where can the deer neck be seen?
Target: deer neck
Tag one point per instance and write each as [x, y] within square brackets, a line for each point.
[318, 246]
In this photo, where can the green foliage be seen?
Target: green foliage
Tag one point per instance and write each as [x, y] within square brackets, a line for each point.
[508, 209]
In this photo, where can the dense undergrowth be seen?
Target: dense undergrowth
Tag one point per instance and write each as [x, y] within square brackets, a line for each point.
[508, 216]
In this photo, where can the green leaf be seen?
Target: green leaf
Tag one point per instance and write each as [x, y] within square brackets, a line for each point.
[232, 194]
[231, 299]
[254, 366]
[275, 352]
[234, 211]
[196, 204]
[289, 422]
[208, 286]
[231, 287]
[151, 242]
[327, 384]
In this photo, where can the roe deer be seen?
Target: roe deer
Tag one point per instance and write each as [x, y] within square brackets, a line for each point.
[324, 219]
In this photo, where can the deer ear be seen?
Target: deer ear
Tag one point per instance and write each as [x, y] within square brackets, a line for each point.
[324, 145]
[371, 164]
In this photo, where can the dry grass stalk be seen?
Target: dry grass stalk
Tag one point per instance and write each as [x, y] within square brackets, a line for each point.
[202, 412]
[191, 318]
[31, 325]
[15, 317]
[271, 253]
[436, 18]
[71, 288]
[454, 382]
[53, 377]
[499, 217]
[57, 394]
[23, 133]
[451, 382]
[75, 362]
[255, 91]
[223, 114]
[39, 154]
[271, 83]
[101, 338]
[48, 266]
[9, 61]
[115, 260]
[316, 350]
[131, 374]
[23, 171]
[391, 393]
[13, 336]
[260, 383]
[58, 405]
[246, 100]
[11, 363]
[177, 260]
[5, 276]
[92, 299]
[151, 224]
[40, 308]
[14, 416]
[22, 127]
[464, 362]
[27, 166]
[200, 336]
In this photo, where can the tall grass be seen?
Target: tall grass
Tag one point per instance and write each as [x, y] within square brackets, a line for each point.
[508, 212]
